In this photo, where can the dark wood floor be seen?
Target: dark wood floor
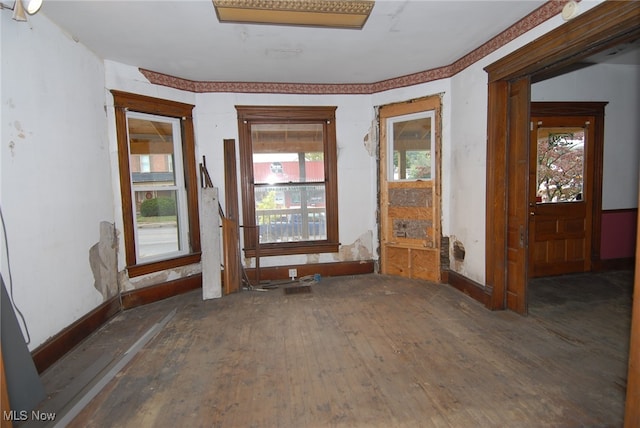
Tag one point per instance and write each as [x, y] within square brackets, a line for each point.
[365, 351]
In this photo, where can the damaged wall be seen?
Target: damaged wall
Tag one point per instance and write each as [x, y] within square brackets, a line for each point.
[103, 259]
[56, 176]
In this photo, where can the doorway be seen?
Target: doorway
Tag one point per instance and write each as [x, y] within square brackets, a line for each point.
[410, 188]
[565, 186]
[606, 25]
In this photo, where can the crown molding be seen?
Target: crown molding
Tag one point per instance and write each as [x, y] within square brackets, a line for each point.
[535, 18]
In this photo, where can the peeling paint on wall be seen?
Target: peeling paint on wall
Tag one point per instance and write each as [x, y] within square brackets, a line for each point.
[128, 284]
[458, 251]
[361, 249]
[371, 139]
[458, 255]
[313, 258]
[103, 259]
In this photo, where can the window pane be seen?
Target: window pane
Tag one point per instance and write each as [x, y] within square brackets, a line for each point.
[159, 210]
[157, 223]
[560, 171]
[151, 148]
[284, 153]
[410, 139]
[291, 213]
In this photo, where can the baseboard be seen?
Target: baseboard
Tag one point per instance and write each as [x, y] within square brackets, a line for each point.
[613, 264]
[274, 273]
[53, 349]
[469, 287]
[154, 293]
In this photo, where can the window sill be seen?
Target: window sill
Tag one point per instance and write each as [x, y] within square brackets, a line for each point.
[157, 266]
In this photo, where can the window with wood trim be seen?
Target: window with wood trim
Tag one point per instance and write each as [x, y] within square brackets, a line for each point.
[288, 164]
[156, 154]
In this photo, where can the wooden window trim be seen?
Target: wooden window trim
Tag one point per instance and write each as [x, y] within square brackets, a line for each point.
[124, 102]
[289, 114]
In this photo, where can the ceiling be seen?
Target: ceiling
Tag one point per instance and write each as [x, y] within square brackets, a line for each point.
[184, 39]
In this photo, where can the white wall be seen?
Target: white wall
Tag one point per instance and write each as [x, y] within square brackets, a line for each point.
[618, 84]
[56, 177]
[216, 120]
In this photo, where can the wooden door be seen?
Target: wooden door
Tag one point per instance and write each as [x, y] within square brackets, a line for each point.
[517, 185]
[409, 189]
[561, 194]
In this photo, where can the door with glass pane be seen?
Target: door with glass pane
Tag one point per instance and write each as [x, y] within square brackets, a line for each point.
[409, 189]
[157, 187]
[561, 195]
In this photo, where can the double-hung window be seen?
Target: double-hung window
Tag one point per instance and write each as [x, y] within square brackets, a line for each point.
[158, 183]
[289, 180]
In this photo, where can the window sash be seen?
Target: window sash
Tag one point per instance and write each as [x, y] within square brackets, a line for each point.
[304, 243]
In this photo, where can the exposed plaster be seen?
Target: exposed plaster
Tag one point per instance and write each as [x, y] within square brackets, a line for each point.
[371, 139]
[313, 258]
[103, 259]
[361, 249]
[128, 284]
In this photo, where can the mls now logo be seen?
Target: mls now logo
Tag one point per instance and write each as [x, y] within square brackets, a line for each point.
[23, 415]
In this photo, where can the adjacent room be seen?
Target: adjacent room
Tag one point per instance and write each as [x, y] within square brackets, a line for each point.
[320, 213]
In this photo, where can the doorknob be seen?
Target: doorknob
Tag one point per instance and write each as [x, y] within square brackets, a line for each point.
[531, 213]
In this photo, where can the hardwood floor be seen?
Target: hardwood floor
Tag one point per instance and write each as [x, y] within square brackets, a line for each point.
[362, 351]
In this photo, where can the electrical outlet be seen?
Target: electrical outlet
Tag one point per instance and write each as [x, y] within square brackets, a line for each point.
[293, 273]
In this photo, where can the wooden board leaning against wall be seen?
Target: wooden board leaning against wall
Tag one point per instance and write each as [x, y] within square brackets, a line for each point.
[410, 188]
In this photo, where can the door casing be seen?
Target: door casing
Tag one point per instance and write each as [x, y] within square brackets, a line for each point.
[605, 25]
[413, 258]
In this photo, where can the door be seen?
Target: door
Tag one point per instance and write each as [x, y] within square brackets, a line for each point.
[561, 194]
[409, 189]
[517, 185]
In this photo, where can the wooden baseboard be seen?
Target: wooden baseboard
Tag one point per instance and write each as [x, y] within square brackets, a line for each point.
[53, 349]
[154, 293]
[468, 287]
[275, 273]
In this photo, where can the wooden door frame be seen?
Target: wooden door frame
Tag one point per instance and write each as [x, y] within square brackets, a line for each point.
[607, 24]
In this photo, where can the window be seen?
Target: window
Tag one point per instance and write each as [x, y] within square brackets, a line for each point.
[410, 141]
[289, 179]
[158, 183]
[560, 164]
